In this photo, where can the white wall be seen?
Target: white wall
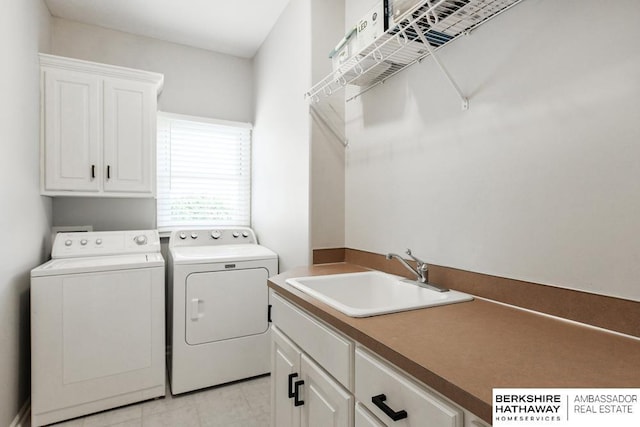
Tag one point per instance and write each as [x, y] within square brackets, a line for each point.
[105, 213]
[280, 201]
[327, 151]
[539, 179]
[25, 216]
[197, 82]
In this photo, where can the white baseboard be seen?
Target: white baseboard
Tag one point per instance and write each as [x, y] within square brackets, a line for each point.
[21, 420]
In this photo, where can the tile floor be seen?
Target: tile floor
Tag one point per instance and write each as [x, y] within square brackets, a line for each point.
[240, 404]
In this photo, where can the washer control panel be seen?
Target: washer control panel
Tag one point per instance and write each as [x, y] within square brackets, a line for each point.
[97, 243]
[212, 236]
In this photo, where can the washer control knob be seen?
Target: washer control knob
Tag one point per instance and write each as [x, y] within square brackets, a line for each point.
[98, 242]
[140, 239]
[183, 236]
[245, 234]
[68, 242]
[236, 234]
[194, 235]
[216, 234]
[83, 242]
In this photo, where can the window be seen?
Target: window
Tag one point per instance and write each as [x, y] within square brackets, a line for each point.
[204, 172]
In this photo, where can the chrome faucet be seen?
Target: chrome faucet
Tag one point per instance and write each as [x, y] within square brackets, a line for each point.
[420, 271]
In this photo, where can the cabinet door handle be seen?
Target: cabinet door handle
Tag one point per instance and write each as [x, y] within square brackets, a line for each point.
[395, 416]
[290, 388]
[108, 171]
[296, 395]
[93, 171]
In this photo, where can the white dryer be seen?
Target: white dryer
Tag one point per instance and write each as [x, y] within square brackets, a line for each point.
[97, 324]
[219, 307]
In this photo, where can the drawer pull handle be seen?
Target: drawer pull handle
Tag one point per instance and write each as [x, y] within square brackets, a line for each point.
[93, 171]
[296, 400]
[290, 388]
[395, 416]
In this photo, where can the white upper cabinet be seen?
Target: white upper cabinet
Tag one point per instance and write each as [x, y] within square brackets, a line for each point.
[98, 129]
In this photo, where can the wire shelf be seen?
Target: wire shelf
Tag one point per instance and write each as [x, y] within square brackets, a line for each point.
[411, 37]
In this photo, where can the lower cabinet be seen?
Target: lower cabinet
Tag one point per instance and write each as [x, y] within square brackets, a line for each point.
[303, 394]
[319, 377]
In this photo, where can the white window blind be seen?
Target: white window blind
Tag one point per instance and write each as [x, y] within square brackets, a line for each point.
[204, 172]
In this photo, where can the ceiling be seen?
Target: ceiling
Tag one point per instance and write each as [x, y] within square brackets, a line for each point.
[235, 27]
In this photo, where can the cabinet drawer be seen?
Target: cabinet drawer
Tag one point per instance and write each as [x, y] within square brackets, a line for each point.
[375, 378]
[329, 349]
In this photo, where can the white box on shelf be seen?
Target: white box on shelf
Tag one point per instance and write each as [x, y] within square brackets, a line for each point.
[372, 25]
[399, 8]
[343, 50]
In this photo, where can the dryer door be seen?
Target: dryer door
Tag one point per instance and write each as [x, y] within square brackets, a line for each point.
[222, 305]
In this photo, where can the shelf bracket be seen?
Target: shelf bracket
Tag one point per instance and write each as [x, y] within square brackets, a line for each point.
[423, 39]
[317, 114]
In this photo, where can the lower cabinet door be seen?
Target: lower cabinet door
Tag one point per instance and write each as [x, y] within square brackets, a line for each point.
[326, 403]
[364, 418]
[285, 373]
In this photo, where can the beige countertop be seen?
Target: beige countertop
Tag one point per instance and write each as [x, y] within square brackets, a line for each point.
[465, 350]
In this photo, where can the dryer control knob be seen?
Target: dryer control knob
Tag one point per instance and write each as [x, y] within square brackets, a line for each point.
[236, 234]
[216, 234]
[245, 234]
[84, 242]
[68, 242]
[194, 235]
[183, 236]
[98, 241]
[140, 239]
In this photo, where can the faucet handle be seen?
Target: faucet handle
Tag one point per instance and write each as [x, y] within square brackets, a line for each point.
[421, 264]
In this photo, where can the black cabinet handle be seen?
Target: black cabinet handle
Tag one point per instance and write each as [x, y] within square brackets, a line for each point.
[108, 171]
[296, 395]
[93, 171]
[290, 388]
[379, 402]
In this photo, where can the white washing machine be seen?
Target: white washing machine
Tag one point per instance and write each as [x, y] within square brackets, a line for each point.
[97, 324]
[219, 307]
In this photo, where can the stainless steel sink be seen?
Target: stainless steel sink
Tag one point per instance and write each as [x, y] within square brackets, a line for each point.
[372, 293]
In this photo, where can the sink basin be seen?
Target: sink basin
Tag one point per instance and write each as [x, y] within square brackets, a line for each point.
[372, 293]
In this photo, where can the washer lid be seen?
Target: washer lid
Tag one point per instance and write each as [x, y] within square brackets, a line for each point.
[222, 253]
[96, 264]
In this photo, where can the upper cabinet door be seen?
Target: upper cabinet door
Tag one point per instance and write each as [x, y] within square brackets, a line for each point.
[71, 131]
[129, 136]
